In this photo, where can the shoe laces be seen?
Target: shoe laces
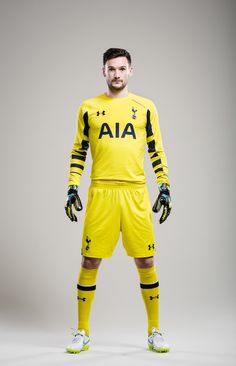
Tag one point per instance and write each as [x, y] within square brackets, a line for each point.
[77, 334]
[157, 332]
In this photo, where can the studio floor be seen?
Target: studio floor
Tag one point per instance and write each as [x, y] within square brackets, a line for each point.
[32, 348]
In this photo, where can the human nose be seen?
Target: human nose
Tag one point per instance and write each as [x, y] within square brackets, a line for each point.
[117, 74]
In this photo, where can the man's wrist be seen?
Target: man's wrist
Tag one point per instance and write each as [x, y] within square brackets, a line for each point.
[73, 188]
[164, 187]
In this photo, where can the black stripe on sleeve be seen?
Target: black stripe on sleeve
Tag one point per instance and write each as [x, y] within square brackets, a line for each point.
[158, 170]
[77, 166]
[149, 285]
[157, 162]
[85, 144]
[155, 155]
[76, 173]
[81, 152]
[151, 146]
[148, 125]
[78, 157]
[86, 125]
[86, 288]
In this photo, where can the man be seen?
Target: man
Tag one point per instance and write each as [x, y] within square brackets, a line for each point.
[118, 125]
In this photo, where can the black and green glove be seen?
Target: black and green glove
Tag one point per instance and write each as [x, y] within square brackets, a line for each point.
[73, 200]
[164, 200]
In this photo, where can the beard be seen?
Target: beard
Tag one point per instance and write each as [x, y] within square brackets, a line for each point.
[117, 87]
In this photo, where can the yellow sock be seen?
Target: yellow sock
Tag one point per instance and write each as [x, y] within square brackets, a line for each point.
[150, 291]
[85, 294]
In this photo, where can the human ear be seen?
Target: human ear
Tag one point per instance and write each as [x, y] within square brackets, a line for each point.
[131, 71]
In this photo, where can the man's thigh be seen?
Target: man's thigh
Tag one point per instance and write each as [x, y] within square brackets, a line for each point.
[101, 228]
[138, 235]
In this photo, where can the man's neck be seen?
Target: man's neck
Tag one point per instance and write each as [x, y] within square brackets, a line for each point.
[117, 94]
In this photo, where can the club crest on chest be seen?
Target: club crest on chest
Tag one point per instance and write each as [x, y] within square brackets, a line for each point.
[134, 111]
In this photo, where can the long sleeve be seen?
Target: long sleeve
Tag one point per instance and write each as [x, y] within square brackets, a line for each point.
[80, 148]
[155, 146]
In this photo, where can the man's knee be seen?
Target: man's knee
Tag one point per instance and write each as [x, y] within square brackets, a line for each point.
[144, 262]
[91, 263]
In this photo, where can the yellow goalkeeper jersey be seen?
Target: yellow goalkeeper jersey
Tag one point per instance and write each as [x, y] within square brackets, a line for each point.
[118, 130]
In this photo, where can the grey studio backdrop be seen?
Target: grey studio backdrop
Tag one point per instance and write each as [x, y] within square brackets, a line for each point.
[184, 60]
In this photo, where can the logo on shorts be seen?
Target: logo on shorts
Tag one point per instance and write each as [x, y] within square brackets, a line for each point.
[151, 246]
[88, 243]
[153, 297]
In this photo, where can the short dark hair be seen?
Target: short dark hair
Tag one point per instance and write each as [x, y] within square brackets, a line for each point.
[116, 52]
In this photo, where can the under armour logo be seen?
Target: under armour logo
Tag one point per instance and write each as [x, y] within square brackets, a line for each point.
[151, 246]
[87, 241]
[153, 297]
[81, 298]
[103, 113]
[134, 111]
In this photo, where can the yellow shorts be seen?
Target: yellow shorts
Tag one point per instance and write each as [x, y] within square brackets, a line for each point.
[114, 207]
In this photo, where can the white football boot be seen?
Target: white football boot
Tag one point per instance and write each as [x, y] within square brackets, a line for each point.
[156, 342]
[79, 343]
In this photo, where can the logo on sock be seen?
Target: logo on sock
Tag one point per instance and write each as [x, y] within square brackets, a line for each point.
[81, 298]
[153, 297]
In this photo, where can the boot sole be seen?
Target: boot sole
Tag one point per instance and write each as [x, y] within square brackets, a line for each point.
[160, 350]
[85, 348]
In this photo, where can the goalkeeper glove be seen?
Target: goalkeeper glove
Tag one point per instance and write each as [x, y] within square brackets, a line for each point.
[73, 200]
[164, 200]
